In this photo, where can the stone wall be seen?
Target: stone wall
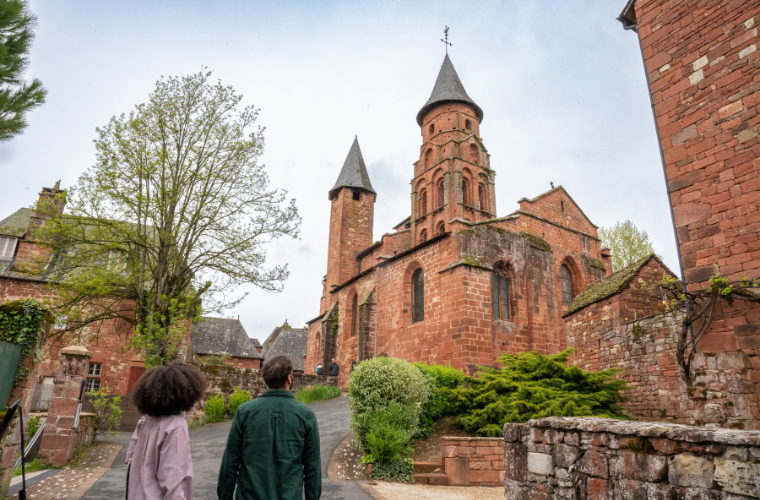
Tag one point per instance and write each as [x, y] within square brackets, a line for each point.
[473, 461]
[591, 458]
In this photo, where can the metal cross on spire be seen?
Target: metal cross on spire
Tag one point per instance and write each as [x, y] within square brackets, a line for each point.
[446, 40]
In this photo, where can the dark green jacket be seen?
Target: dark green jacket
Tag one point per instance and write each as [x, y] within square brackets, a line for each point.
[272, 451]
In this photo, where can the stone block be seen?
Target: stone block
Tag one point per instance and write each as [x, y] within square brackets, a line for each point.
[737, 406]
[458, 471]
[594, 464]
[537, 435]
[513, 432]
[516, 490]
[645, 467]
[738, 385]
[539, 463]
[691, 471]
[627, 489]
[450, 451]
[515, 461]
[598, 489]
[480, 465]
[666, 446]
[485, 476]
[736, 453]
[738, 477]
[572, 438]
[703, 448]
[565, 455]
[714, 413]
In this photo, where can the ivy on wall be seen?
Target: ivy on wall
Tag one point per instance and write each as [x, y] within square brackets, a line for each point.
[21, 323]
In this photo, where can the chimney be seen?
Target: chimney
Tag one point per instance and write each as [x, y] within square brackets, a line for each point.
[50, 204]
[607, 259]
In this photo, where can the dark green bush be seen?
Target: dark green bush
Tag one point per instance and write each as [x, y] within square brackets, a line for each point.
[389, 434]
[401, 471]
[533, 386]
[440, 404]
[317, 393]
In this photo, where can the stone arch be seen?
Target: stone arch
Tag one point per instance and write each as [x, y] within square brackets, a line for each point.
[428, 158]
[423, 236]
[440, 228]
[473, 153]
[410, 274]
[468, 125]
[503, 296]
[431, 129]
[483, 197]
[422, 203]
[353, 313]
[466, 191]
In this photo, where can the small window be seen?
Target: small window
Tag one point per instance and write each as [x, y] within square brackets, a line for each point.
[482, 197]
[94, 369]
[423, 204]
[418, 296]
[357, 195]
[467, 125]
[428, 158]
[465, 190]
[432, 129]
[354, 315]
[474, 153]
[567, 285]
[441, 228]
[423, 235]
[562, 205]
[7, 246]
[92, 384]
[440, 193]
[500, 286]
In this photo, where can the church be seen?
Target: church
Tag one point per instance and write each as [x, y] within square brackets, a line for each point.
[454, 283]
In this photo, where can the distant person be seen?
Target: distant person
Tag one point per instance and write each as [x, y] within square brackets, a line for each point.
[354, 364]
[272, 450]
[333, 369]
[319, 369]
[159, 463]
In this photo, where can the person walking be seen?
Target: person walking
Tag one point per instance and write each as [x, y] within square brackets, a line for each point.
[318, 369]
[333, 369]
[159, 465]
[272, 450]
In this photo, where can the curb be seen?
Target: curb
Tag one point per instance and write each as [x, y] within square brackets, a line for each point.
[90, 482]
[332, 465]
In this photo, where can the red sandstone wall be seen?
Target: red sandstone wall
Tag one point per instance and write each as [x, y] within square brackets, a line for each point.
[557, 206]
[351, 224]
[704, 77]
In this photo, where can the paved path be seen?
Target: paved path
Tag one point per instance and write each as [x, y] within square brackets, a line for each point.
[207, 445]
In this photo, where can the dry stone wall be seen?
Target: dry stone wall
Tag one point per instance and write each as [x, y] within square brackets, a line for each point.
[592, 458]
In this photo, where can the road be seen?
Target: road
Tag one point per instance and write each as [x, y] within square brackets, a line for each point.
[207, 446]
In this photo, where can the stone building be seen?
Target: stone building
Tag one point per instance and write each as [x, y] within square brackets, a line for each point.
[225, 337]
[287, 341]
[453, 283]
[703, 70]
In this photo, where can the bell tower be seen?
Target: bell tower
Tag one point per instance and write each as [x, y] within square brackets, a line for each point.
[453, 178]
[351, 220]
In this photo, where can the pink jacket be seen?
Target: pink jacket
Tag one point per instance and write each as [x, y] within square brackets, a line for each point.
[162, 468]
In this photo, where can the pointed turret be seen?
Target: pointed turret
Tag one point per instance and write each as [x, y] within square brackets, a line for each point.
[448, 88]
[354, 172]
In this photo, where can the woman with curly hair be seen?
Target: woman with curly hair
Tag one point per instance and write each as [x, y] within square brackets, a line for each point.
[160, 466]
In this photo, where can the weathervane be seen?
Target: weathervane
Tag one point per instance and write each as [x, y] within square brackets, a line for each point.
[446, 41]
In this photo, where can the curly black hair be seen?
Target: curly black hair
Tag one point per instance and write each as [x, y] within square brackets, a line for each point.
[169, 389]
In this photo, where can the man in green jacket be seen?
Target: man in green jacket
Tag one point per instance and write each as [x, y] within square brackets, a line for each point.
[272, 450]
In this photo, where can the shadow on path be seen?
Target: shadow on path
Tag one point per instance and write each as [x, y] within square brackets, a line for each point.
[207, 446]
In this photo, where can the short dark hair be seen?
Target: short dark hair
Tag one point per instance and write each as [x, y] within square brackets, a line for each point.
[169, 389]
[276, 371]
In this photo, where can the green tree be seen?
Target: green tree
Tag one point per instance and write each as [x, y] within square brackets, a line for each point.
[627, 242]
[176, 210]
[16, 96]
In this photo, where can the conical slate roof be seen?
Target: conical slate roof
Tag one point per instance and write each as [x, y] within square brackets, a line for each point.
[448, 88]
[354, 172]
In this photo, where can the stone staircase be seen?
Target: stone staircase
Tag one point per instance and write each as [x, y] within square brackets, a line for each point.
[430, 473]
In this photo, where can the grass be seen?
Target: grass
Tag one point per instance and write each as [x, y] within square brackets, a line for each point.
[34, 466]
[317, 393]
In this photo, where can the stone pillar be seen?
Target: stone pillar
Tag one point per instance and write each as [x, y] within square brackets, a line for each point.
[59, 437]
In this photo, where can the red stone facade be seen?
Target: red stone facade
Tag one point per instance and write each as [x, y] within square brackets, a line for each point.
[703, 68]
[455, 238]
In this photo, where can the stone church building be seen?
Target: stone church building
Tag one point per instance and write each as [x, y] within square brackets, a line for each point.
[454, 283]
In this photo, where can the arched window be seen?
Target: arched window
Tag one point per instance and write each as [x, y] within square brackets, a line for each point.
[439, 188]
[465, 189]
[467, 125]
[423, 204]
[432, 129]
[567, 285]
[440, 228]
[354, 315]
[562, 205]
[418, 296]
[474, 153]
[482, 197]
[500, 285]
[423, 235]
[428, 157]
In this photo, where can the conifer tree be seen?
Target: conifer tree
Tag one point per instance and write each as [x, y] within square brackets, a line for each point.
[16, 96]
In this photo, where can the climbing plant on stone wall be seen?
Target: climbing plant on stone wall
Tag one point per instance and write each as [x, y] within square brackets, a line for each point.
[698, 307]
[22, 323]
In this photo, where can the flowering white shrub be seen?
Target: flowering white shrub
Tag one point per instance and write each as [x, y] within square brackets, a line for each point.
[377, 382]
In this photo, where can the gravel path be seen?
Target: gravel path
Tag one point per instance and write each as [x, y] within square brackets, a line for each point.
[397, 491]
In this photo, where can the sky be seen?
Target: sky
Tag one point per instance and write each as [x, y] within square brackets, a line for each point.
[561, 84]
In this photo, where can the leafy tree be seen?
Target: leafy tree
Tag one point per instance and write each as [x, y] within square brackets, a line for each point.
[532, 385]
[107, 411]
[176, 210]
[627, 242]
[16, 96]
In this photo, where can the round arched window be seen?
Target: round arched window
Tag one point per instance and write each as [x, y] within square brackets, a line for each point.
[567, 285]
[418, 296]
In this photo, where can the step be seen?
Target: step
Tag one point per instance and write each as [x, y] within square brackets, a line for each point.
[428, 467]
[436, 478]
